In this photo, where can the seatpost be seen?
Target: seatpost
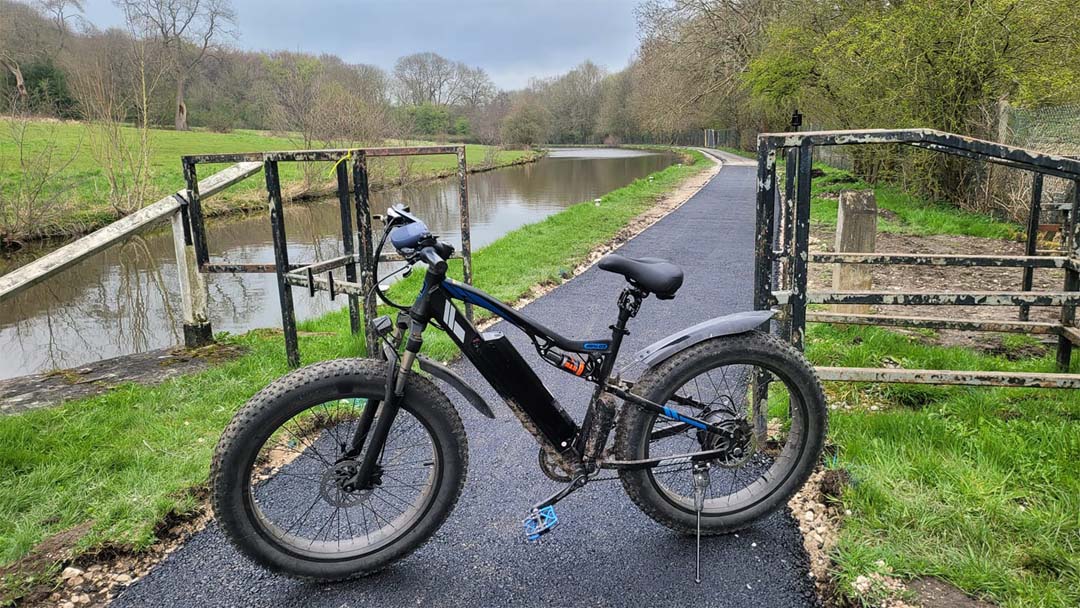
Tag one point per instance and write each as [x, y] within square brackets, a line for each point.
[629, 304]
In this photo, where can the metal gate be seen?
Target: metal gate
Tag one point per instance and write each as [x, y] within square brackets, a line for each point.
[356, 261]
[782, 257]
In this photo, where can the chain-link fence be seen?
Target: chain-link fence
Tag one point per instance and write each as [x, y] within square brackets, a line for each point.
[689, 138]
[1055, 130]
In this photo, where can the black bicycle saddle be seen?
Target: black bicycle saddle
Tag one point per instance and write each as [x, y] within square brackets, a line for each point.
[654, 275]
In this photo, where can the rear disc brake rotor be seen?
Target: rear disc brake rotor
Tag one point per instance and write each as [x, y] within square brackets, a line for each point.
[736, 441]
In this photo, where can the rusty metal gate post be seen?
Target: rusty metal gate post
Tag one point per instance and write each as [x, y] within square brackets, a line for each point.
[281, 262]
[763, 269]
[799, 277]
[345, 203]
[1072, 281]
[362, 199]
[1031, 245]
[466, 237]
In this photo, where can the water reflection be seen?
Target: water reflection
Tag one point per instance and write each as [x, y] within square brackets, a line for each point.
[125, 299]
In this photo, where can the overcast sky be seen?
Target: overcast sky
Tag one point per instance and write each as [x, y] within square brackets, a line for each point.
[513, 40]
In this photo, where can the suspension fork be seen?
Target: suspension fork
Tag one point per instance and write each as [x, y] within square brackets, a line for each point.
[387, 410]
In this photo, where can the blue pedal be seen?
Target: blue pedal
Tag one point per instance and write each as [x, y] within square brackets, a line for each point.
[540, 522]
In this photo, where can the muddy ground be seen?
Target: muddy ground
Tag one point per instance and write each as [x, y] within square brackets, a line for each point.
[939, 278]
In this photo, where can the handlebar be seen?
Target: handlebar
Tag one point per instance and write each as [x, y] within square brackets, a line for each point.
[431, 257]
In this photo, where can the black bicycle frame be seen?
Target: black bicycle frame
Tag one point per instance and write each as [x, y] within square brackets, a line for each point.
[514, 380]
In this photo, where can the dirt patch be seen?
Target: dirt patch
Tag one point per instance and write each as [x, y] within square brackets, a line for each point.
[939, 278]
[931, 592]
[819, 519]
[94, 579]
[154, 367]
[24, 576]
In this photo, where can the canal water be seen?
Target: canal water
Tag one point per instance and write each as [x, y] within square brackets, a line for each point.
[125, 299]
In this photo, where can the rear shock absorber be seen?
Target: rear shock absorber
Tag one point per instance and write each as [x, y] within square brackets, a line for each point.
[573, 365]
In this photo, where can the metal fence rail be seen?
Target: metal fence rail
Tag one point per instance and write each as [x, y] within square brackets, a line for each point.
[782, 256]
[192, 287]
[353, 193]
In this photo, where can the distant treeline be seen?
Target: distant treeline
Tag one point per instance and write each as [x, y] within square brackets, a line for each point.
[175, 63]
[739, 64]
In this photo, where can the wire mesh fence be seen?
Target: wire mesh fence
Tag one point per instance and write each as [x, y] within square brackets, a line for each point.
[1007, 193]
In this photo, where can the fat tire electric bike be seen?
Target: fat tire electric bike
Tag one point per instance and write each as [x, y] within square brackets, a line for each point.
[341, 468]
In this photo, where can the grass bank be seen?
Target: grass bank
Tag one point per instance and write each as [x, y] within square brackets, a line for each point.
[85, 185]
[127, 459]
[976, 486]
[902, 212]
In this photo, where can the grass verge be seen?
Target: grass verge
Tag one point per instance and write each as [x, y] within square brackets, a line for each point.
[904, 213]
[127, 459]
[976, 486]
[86, 185]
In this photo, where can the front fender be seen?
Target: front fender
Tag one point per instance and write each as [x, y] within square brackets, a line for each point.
[736, 323]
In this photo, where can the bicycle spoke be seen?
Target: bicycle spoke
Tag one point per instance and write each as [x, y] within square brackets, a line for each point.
[719, 395]
[314, 458]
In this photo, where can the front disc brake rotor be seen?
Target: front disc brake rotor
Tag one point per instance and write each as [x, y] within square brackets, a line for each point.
[332, 485]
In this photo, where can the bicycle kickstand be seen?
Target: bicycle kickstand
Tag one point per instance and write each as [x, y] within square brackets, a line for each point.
[701, 481]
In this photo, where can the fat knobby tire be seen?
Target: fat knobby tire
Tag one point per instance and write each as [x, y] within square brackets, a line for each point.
[284, 398]
[657, 383]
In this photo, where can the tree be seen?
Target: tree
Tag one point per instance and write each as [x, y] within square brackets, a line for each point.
[427, 119]
[115, 86]
[941, 64]
[33, 36]
[693, 56]
[476, 87]
[431, 78]
[295, 82]
[614, 121]
[486, 121]
[426, 78]
[573, 100]
[186, 30]
[527, 123]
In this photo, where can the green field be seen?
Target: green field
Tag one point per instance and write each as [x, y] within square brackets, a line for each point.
[128, 458]
[977, 486]
[911, 214]
[85, 186]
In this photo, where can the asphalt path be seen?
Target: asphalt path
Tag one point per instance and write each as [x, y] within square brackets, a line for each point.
[604, 552]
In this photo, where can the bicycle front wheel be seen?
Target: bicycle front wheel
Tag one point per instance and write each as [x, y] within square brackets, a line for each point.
[280, 480]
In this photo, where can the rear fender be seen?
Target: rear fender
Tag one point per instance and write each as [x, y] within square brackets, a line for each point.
[736, 323]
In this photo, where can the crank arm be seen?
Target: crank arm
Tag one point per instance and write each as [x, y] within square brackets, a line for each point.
[576, 484]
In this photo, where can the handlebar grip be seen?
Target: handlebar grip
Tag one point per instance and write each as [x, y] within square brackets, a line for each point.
[429, 256]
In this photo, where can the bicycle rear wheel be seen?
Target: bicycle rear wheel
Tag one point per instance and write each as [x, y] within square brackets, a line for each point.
[716, 381]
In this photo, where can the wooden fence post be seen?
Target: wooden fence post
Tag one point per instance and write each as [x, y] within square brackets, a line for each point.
[194, 295]
[856, 232]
